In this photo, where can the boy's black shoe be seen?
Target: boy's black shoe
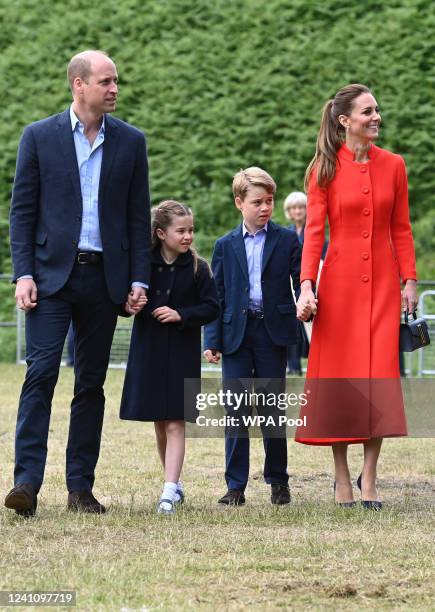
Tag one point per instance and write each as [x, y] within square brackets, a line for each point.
[23, 499]
[280, 494]
[233, 497]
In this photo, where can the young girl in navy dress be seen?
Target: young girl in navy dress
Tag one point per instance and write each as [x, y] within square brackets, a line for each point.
[166, 341]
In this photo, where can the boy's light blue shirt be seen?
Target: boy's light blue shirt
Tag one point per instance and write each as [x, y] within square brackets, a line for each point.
[254, 246]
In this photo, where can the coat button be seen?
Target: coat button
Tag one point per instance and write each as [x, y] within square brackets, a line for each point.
[366, 212]
[172, 268]
[244, 311]
[365, 234]
[363, 169]
[365, 190]
[365, 278]
[160, 269]
[158, 292]
[75, 243]
[246, 289]
[168, 291]
[365, 256]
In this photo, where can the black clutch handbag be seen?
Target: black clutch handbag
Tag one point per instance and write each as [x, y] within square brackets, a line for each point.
[413, 334]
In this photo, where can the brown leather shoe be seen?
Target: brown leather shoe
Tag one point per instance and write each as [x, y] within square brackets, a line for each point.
[23, 499]
[280, 494]
[233, 497]
[84, 501]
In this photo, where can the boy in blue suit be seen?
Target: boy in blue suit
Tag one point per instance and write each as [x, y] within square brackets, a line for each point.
[252, 266]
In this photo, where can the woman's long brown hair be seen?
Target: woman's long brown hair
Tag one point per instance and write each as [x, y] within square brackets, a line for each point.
[331, 133]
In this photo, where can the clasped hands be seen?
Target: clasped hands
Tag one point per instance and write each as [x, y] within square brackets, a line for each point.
[306, 305]
[136, 301]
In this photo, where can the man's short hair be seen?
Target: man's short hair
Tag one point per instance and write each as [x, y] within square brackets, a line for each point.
[252, 177]
[80, 65]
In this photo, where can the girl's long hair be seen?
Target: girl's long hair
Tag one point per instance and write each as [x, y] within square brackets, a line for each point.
[162, 216]
[332, 133]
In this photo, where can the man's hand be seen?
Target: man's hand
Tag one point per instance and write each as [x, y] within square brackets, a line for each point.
[164, 314]
[212, 356]
[409, 296]
[307, 302]
[26, 294]
[136, 300]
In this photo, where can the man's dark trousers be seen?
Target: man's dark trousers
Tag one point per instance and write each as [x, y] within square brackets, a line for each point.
[85, 300]
[257, 357]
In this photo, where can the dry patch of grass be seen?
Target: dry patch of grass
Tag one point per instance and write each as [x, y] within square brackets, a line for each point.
[309, 554]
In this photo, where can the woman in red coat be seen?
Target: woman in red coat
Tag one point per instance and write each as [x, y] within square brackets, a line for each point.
[353, 379]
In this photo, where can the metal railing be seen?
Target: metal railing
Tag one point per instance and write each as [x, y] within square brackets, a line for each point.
[426, 356]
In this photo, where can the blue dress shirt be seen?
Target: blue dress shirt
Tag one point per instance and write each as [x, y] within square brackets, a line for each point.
[89, 158]
[254, 245]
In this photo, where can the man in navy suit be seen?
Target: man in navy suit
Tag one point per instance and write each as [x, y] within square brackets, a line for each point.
[252, 266]
[79, 229]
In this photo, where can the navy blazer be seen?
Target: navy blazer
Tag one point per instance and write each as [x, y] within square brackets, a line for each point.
[46, 211]
[281, 259]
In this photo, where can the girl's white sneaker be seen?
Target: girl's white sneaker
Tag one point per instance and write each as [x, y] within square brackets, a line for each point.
[166, 506]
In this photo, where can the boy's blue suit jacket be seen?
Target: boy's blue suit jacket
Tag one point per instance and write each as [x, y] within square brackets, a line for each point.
[281, 259]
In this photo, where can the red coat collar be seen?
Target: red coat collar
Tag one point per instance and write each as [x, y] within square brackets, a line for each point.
[345, 153]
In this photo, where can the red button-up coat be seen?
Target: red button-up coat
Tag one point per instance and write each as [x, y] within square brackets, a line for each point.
[356, 329]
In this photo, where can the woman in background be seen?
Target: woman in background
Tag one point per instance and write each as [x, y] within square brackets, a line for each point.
[295, 210]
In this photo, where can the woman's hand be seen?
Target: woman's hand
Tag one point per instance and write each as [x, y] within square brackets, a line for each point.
[409, 296]
[307, 302]
[164, 314]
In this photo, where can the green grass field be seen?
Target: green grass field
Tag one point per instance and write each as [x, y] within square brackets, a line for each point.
[307, 555]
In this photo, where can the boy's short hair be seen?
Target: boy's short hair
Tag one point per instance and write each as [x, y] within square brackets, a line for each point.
[295, 197]
[252, 177]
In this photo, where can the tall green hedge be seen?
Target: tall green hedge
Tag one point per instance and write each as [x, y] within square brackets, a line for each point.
[221, 84]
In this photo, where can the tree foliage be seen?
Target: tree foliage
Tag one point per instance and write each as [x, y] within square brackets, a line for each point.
[217, 86]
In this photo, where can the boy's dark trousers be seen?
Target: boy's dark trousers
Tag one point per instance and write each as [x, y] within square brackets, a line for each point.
[258, 358]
